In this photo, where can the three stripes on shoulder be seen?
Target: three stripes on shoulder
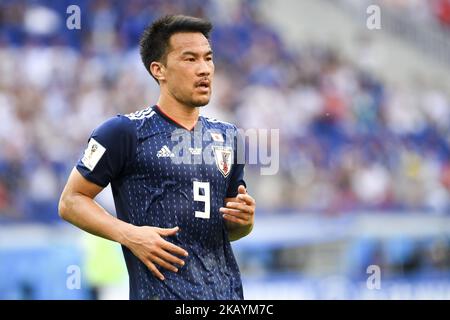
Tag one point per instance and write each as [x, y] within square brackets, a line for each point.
[146, 113]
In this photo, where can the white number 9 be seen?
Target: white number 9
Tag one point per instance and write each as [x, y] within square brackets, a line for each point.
[202, 197]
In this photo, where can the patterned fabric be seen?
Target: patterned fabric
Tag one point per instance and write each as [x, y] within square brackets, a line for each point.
[164, 175]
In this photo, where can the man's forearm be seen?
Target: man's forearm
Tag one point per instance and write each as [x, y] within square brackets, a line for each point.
[88, 215]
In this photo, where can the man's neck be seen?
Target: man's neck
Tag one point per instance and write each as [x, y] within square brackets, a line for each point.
[184, 115]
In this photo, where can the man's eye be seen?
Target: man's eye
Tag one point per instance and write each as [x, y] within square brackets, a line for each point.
[190, 59]
[209, 59]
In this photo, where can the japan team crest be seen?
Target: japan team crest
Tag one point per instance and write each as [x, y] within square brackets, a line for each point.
[223, 156]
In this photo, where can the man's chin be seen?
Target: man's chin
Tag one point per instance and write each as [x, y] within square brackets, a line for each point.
[200, 102]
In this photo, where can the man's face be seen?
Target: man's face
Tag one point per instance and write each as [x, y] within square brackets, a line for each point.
[189, 68]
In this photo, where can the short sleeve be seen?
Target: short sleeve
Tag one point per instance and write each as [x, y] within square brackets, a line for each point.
[111, 149]
[237, 171]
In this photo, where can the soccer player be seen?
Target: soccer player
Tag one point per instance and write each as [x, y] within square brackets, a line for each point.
[175, 219]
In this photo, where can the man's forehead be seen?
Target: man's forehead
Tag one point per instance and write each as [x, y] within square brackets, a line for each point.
[189, 41]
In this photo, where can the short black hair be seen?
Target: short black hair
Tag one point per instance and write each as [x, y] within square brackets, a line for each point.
[155, 38]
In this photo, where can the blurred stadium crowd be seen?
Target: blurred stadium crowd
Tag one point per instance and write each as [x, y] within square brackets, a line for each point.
[346, 137]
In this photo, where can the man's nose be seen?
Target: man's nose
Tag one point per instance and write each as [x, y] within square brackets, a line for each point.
[204, 69]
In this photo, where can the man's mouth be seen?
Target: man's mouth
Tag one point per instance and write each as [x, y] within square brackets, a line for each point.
[203, 84]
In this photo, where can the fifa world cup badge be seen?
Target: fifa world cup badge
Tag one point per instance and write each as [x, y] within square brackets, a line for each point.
[93, 154]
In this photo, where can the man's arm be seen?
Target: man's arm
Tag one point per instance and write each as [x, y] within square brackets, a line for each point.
[239, 214]
[78, 207]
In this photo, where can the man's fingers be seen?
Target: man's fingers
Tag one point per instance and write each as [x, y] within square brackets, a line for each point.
[229, 210]
[168, 246]
[164, 264]
[239, 206]
[234, 219]
[235, 213]
[242, 190]
[246, 198]
[171, 258]
[154, 270]
[167, 232]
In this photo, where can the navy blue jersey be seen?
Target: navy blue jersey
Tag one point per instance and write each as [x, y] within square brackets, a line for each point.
[163, 175]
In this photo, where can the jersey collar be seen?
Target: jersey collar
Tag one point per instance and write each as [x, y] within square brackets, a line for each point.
[171, 120]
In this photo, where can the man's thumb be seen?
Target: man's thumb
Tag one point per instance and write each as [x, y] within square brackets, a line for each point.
[167, 232]
[242, 190]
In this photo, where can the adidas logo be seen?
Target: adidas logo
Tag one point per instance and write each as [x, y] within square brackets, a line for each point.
[165, 153]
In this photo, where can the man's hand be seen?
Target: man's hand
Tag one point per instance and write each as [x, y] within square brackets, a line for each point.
[78, 207]
[148, 244]
[239, 214]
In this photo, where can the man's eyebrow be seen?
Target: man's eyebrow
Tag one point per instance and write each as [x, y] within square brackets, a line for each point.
[191, 53]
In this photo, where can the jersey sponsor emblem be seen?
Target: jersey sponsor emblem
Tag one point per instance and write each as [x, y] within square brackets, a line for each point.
[223, 156]
[217, 137]
[93, 154]
[165, 153]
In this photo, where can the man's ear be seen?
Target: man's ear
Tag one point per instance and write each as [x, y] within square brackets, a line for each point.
[157, 69]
